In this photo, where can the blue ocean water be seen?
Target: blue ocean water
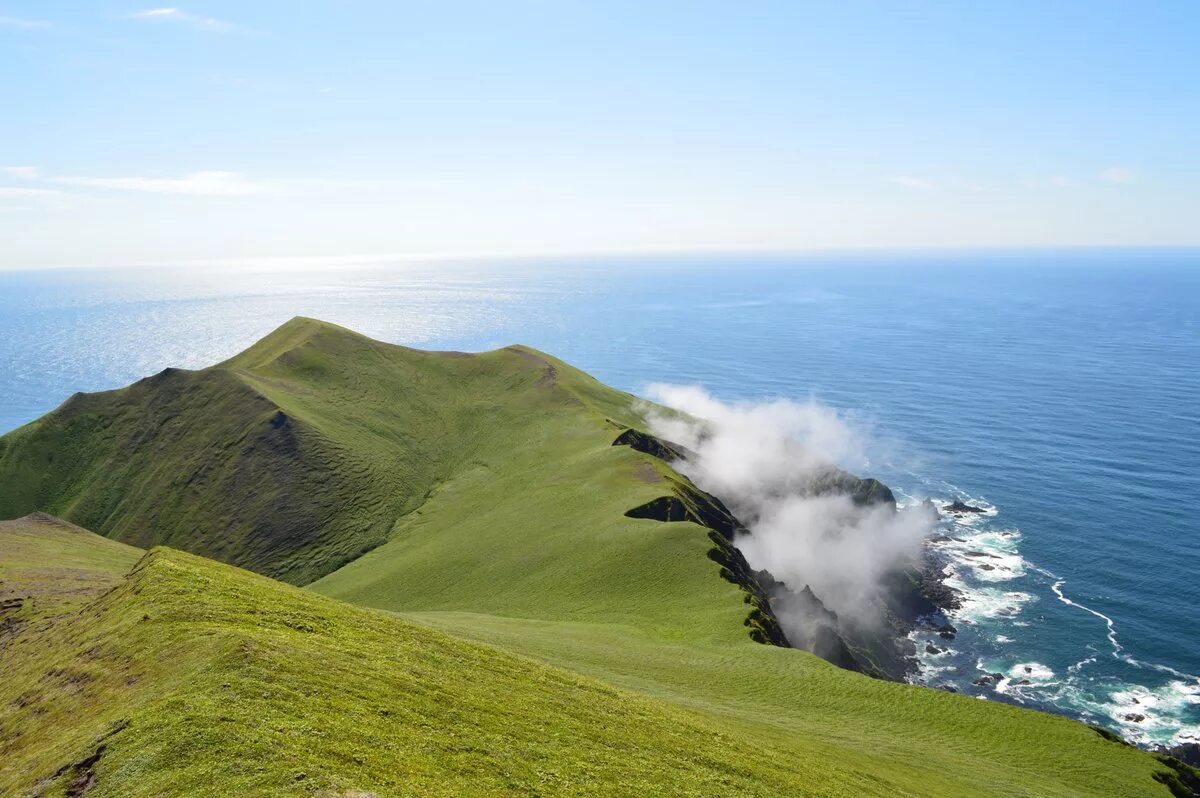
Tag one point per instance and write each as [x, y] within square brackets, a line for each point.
[1057, 389]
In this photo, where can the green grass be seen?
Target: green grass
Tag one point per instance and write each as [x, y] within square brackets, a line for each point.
[51, 567]
[489, 503]
[196, 678]
[290, 459]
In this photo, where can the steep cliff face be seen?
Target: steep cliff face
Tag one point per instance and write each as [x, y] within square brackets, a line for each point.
[793, 615]
[812, 626]
[686, 502]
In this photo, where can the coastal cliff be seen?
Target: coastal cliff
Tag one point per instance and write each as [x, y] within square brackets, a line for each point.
[913, 595]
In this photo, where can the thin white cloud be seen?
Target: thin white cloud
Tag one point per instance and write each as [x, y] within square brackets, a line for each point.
[968, 185]
[16, 199]
[198, 184]
[908, 181]
[1052, 181]
[20, 192]
[23, 172]
[1121, 175]
[181, 17]
[17, 23]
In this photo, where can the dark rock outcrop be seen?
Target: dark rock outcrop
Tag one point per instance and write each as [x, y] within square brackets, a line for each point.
[934, 589]
[761, 621]
[648, 444]
[1182, 779]
[961, 508]
[812, 626]
[937, 623]
[989, 680]
[664, 508]
[1187, 753]
[861, 491]
[10, 618]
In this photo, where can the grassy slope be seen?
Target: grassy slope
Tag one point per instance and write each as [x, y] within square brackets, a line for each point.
[196, 678]
[530, 550]
[493, 479]
[636, 603]
[289, 459]
[52, 567]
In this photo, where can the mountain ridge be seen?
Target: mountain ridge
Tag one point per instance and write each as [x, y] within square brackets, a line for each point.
[318, 482]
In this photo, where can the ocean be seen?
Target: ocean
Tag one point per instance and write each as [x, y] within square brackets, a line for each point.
[1056, 389]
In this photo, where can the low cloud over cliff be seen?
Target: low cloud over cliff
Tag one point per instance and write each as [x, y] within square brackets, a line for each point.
[774, 464]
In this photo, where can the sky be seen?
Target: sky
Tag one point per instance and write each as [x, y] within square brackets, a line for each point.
[132, 133]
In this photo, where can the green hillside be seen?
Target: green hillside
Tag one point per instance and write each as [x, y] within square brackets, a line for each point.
[196, 678]
[483, 495]
[292, 458]
[49, 567]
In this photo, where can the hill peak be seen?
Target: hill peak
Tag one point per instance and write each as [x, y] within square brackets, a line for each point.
[292, 334]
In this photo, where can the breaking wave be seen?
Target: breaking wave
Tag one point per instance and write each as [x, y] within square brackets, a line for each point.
[1011, 644]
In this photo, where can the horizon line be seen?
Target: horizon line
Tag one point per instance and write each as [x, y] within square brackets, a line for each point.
[269, 262]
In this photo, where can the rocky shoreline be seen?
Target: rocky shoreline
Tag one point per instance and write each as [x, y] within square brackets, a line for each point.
[916, 597]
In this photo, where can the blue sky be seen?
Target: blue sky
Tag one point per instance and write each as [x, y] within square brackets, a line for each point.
[136, 133]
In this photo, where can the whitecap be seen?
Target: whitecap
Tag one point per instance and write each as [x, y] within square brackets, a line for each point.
[1033, 671]
[930, 671]
[1083, 663]
[988, 555]
[998, 568]
[978, 559]
[988, 603]
[1118, 650]
[1144, 715]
